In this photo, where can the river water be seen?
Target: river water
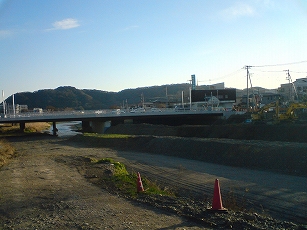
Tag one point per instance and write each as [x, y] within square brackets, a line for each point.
[66, 129]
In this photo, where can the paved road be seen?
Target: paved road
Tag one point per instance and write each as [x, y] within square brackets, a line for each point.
[278, 195]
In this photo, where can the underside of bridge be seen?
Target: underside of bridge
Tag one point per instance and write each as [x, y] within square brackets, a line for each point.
[99, 126]
[191, 119]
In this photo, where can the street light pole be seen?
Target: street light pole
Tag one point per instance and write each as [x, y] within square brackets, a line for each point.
[3, 103]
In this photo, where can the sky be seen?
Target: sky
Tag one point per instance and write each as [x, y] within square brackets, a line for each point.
[112, 45]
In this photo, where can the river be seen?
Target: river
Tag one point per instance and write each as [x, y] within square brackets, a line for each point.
[66, 129]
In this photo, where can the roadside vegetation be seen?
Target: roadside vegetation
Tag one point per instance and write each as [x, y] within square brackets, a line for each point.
[126, 182]
[119, 181]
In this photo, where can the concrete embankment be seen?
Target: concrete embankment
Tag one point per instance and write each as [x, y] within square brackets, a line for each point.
[282, 132]
[207, 144]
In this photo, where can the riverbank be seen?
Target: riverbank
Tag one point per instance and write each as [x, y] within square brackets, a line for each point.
[233, 145]
[59, 187]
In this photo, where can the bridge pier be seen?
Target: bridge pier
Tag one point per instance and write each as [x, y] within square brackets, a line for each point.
[99, 126]
[22, 126]
[86, 126]
[54, 128]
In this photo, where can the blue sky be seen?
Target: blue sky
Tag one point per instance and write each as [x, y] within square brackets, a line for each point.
[112, 45]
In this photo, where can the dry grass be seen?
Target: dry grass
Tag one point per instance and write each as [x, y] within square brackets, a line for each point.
[6, 152]
[34, 127]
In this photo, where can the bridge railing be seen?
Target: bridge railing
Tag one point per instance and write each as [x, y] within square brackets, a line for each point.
[102, 113]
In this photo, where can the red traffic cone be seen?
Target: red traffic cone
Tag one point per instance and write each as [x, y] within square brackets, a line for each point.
[139, 183]
[217, 205]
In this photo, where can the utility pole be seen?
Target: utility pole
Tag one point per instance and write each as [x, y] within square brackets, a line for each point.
[247, 92]
[291, 83]
[190, 89]
[182, 100]
[142, 100]
[167, 104]
[14, 105]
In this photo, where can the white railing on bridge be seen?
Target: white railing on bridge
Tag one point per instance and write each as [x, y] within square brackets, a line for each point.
[109, 113]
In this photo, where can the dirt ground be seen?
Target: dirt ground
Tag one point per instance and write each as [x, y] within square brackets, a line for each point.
[50, 184]
[44, 190]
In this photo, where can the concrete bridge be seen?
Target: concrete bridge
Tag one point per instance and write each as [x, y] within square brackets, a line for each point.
[99, 120]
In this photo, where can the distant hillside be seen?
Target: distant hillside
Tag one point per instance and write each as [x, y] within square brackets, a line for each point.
[67, 97]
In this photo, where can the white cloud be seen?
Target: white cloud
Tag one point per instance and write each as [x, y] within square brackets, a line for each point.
[65, 24]
[238, 10]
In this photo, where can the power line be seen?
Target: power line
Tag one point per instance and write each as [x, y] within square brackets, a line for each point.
[227, 75]
[269, 71]
[297, 72]
[291, 63]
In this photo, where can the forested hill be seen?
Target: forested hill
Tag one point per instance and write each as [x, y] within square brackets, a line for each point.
[67, 97]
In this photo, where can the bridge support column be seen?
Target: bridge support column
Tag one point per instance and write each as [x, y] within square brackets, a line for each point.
[22, 126]
[86, 126]
[54, 129]
[99, 126]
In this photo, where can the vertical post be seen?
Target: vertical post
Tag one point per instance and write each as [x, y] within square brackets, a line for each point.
[190, 98]
[182, 100]
[14, 105]
[54, 129]
[167, 104]
[3, 103]
[247, 92]
[22, 126]
[211, 102]
[143, 101]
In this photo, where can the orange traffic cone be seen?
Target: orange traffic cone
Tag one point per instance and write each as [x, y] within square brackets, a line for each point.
[217, 205]
[139, 183]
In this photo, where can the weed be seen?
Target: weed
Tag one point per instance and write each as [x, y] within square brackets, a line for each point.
[120, 168]
[126, 182]
[231, 201]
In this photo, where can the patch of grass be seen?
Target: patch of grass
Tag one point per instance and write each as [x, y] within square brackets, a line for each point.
[9, 128]
[6, 152]
[120, 169]
[127, 183]
[34, 127]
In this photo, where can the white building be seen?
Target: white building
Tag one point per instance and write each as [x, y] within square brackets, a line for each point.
[294, 91]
